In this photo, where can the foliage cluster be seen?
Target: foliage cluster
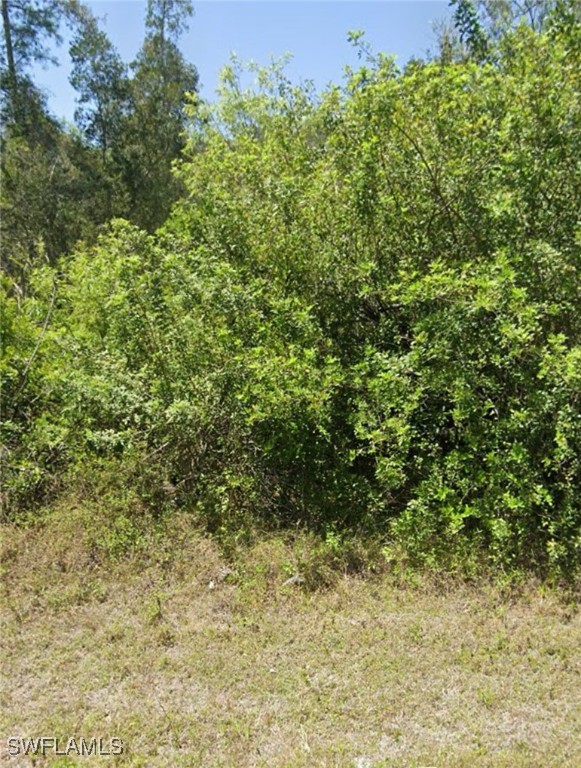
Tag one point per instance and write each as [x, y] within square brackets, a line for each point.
[362, 313]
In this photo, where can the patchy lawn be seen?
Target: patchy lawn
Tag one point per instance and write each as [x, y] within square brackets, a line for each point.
[194, 661]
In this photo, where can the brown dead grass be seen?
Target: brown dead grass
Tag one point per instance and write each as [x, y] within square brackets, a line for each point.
[193, 661]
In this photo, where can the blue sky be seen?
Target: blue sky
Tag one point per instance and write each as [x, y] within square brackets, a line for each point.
[313, 31]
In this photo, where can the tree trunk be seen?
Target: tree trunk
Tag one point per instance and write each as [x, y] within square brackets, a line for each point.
[13, 95]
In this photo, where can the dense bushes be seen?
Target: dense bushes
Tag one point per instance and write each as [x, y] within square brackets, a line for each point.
[363, 313]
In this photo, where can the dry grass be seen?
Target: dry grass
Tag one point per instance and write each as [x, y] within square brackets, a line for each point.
[193, 665]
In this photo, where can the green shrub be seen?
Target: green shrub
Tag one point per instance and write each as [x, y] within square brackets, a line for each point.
[363, 313]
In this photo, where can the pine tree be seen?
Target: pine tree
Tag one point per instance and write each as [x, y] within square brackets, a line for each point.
[154, 134]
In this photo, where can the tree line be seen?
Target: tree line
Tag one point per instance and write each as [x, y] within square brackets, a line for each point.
[62, 184]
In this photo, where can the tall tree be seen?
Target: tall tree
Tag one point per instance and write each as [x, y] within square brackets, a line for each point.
[28, 28]
[100, 78]
[478, 25]
[470, 29]
[30, 156]
[55, 187]
[162, 78]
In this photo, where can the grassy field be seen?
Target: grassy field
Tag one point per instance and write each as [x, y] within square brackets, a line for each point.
[194, 660]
